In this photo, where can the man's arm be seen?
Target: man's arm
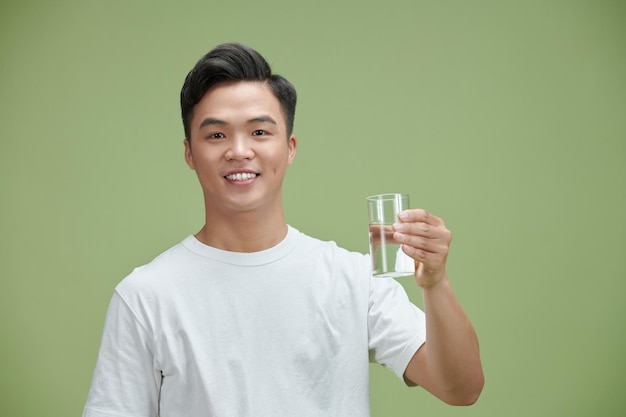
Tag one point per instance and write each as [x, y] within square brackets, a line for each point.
[124, 380]
[448, 364]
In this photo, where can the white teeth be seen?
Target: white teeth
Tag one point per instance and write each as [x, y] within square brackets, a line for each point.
[241, 176]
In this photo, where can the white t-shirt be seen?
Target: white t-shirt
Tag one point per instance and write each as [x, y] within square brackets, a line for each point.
[286, 331]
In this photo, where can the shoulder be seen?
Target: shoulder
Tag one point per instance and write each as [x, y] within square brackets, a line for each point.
[307, 242]
[159, 272]
[314, 250]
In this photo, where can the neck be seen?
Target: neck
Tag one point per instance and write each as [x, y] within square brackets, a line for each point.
[243, 232]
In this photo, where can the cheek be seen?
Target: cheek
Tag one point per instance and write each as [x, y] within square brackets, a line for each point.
[206, 160]
[285, 161]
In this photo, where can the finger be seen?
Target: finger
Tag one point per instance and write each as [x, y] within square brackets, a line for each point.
[416, 229]
[418, 255]
[416, 242]
[380, 231]
[419, 215]
[432, 261]
[439, 233]
[422, 243]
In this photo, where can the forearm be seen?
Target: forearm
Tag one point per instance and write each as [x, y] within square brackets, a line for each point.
[448, 364]
[452, 353]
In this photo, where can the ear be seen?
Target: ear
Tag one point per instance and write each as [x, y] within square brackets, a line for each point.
[188, 155]
[292, 144]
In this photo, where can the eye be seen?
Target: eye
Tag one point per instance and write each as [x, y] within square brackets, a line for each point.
[259, 132]
[216, 135]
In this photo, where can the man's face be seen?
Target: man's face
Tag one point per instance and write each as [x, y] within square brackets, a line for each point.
[239, 147]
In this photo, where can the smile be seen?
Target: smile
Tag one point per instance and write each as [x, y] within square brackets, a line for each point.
[241, 176]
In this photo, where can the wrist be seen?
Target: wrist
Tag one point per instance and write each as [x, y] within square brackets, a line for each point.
[433, 283]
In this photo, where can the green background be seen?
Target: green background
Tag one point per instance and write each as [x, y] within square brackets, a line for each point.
[506, 118]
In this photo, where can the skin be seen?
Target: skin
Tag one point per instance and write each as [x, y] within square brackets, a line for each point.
[240, 128]
[448, 364]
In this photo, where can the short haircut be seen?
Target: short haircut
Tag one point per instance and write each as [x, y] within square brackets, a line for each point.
[230, 62]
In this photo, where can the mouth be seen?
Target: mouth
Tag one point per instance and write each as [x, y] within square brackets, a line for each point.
[241, 176]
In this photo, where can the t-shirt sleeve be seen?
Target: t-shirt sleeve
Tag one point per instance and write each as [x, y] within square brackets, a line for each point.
[125, 382]
[397, 328]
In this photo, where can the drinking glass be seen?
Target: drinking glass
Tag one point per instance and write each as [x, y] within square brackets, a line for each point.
[388, 259]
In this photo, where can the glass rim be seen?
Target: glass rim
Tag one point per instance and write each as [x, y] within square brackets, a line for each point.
[386, 196]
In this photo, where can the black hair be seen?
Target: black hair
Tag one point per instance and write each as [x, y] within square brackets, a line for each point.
[234, 62]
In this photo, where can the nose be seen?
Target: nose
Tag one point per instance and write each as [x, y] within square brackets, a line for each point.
[240, 149]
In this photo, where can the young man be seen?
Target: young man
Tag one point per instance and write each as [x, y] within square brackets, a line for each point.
[250, 317]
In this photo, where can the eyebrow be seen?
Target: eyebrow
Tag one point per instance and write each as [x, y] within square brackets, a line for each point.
[211, 121]
[267, 119]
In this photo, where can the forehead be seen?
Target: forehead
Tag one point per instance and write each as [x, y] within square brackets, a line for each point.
[234, 102]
